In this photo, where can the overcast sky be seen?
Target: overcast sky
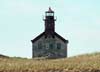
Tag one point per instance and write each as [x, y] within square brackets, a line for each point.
[22, 20]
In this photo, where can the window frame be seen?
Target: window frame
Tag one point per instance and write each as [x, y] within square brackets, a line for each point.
[59, 46]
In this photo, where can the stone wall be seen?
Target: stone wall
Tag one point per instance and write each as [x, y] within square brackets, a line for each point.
[49, 47]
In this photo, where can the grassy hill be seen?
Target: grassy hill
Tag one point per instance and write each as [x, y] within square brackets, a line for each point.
[82, 63]
[3, 56]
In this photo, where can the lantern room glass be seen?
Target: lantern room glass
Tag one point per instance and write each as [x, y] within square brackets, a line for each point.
[49, 14]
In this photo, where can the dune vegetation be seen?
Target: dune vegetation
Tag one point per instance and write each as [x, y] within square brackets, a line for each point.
[82, 63]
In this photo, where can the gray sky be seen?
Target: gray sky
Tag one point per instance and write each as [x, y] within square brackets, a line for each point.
[21, 21]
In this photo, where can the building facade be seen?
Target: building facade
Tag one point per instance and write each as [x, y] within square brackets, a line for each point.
[49, 44]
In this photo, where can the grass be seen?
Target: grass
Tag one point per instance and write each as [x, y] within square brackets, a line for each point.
[82, 63]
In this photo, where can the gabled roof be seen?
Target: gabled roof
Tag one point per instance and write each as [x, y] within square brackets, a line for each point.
[56, 34]
[38, 37]
[59, 36]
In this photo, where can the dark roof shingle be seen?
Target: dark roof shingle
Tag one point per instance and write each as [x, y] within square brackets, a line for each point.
[38, 37]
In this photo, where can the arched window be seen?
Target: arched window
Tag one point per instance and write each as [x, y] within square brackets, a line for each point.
[58, 45]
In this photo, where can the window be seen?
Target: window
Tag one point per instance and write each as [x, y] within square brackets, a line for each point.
[58, 45]
[51, 46]
[39, 45]
[39, 55]
[50, 14]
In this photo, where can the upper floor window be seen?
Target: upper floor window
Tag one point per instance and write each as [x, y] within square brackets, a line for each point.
[58, 45]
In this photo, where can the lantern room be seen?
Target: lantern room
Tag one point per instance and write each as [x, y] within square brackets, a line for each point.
[49, 12]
